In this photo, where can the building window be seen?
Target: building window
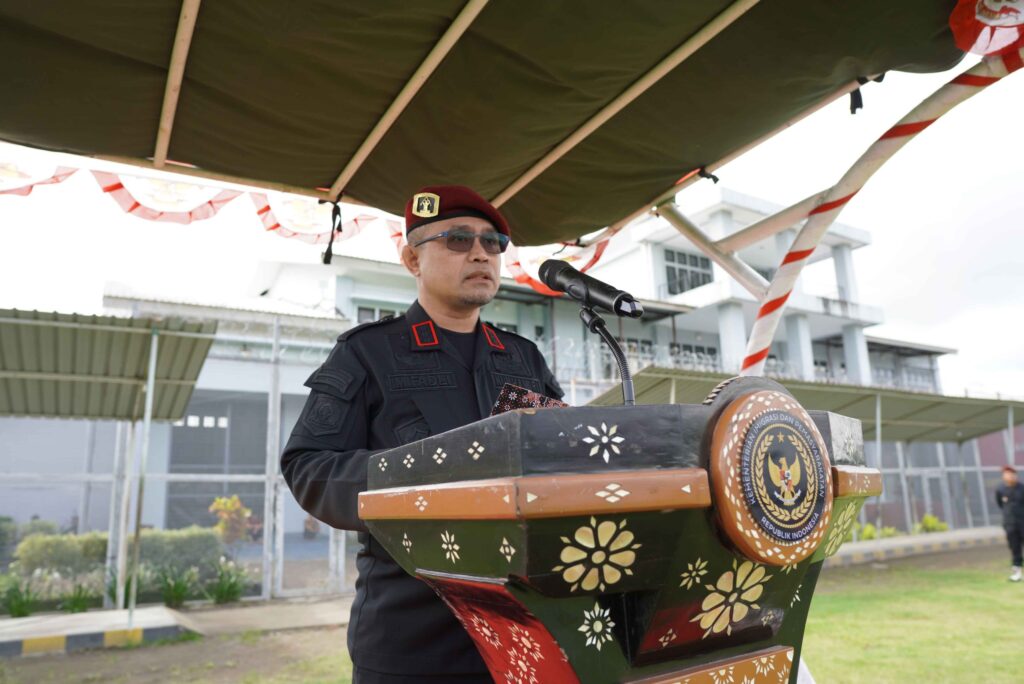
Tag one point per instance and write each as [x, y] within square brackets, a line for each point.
[686, 271]
[508, 326]
[367, 314]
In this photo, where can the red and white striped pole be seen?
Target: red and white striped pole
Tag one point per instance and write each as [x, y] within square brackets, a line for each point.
[967, 84]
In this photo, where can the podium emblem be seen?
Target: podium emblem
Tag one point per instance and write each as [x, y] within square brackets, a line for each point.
[781, 473]
[771, 478]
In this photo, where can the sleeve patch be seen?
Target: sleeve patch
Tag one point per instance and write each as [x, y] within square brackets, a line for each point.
[326, 415]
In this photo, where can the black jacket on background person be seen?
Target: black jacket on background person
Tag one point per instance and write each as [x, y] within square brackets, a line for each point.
[1011, 501]
[386, 384]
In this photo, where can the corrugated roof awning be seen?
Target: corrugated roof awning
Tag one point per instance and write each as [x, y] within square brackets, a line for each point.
[58, 365]
[906, 416]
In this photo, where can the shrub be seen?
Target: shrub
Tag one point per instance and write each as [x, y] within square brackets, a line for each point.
[177, 585]
[930, 523]
[232, 518]
[51, 552]
[19, 600]
[77, 600]
[37, 526]
[887, 532]
[228, 584]
[868, 532]
[72, 554]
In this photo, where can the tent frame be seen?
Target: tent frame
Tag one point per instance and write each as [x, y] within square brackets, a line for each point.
[820, 209]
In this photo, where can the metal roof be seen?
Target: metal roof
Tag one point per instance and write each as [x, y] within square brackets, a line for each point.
[906, 416]
[58, 365]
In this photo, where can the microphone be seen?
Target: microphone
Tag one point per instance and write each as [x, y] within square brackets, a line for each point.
[560, 276]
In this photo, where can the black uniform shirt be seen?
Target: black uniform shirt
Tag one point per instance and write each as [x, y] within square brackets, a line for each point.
[1011, 501]
[383, 385]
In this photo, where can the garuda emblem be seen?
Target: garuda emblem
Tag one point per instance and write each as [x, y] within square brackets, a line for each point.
[785, 476]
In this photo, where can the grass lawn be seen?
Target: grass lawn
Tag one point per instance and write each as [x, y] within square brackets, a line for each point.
[951, 617]
[948, 617]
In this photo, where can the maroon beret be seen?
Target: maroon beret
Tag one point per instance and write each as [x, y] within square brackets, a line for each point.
[440, 202]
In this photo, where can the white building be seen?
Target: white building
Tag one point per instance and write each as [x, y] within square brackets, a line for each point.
[250, 390]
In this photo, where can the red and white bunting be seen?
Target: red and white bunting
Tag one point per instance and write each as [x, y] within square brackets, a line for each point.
[111, 184]
[591, 254]
[349, 229]
[59, 176]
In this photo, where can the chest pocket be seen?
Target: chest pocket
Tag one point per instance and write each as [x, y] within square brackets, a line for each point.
[510, 362]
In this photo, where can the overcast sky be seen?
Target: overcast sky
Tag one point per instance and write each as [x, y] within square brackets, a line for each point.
[946, 263]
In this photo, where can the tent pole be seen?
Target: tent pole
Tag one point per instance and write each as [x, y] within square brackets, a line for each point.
[730, 14]
[416, 81]
[981, 481]
[961, 88]
[116, 475]
[175, 74]
[147, 423]
[122, 523]
[273, 442]
[750, 279]
[878, 452]
[768, 226]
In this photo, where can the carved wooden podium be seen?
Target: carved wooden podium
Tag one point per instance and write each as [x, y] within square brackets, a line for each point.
[628, 544]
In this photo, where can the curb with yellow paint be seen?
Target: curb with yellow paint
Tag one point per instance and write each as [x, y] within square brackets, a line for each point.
[69, 643]
[913, 547]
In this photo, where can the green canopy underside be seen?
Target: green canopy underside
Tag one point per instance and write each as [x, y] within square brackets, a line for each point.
[285, 92]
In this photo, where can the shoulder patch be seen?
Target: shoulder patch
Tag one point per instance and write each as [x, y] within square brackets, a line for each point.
[369, 324]
[325, 415]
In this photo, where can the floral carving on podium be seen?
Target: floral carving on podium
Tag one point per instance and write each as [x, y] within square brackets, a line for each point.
[506, 549]
[597, 626]
[732, 598]
[448, 545]
[598, 555]
[694, 573]
[840, 529]
[604, 441]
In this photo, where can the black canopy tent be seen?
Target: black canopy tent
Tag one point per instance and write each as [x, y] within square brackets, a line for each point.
[569, 114]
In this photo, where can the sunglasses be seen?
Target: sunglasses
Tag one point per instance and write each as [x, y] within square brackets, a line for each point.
[462, 241]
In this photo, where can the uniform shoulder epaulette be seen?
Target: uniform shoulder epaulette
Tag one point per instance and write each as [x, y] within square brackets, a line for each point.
[369, 324]
[509, 333]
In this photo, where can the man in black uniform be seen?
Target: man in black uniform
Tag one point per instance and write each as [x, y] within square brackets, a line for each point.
[1010, 497]
[396, 381]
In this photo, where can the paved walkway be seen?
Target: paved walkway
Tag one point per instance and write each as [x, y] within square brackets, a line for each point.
[272, 616]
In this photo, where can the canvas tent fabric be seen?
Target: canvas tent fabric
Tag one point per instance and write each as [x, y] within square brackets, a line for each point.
[60, 365]
[906, 416]
[284, 93]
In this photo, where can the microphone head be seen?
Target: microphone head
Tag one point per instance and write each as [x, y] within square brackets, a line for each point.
[549, 272]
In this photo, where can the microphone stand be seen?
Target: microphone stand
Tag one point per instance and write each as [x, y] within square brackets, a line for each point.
[596, 324]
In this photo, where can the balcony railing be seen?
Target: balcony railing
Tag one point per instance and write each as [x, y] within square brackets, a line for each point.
[589, 363]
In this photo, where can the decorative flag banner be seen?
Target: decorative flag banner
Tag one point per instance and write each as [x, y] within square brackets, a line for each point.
[160, 200]
[293, 217]
[303, 219]
[14, 180]
[587, 256]
[988, 27]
